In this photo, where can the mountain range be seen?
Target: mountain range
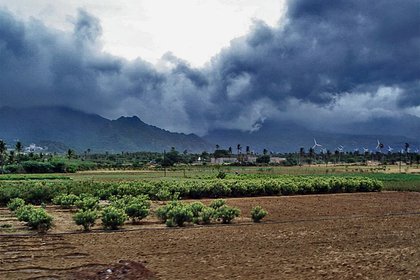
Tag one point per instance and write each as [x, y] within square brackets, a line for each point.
[60, 128]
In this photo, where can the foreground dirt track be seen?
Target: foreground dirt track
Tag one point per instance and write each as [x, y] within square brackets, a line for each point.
[348, 236]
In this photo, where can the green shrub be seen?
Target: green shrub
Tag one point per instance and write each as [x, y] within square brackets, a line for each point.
[162, 212]
[226, 214]
[258, 213]
[23, 213]
[37, 167]
[39, 219]
[85, 218]
[87, 203]
[15, 203]
[180, 214]
[216, 204]
[175, 213]
[136, 207]
[170, 223]
[113, 218]
[207, 214]
[137, 210]
[163, 194]
[65, 200]
[196, 208]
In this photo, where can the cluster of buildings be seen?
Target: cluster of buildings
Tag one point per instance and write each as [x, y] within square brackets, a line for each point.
[244, 159]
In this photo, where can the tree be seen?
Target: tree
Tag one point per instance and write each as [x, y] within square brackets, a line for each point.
[171, 158]
[18, 147]
[70, 153]
[263, 159]
[11, 156]
[3, 154]
[221, 153]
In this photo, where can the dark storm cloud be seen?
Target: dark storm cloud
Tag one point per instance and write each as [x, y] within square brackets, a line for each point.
[330, 47]
[334, 59]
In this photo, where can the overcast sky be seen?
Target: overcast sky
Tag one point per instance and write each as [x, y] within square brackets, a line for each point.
[197, 65]
[194, 30]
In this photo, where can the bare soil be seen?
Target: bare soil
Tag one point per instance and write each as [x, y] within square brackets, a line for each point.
[342, 236]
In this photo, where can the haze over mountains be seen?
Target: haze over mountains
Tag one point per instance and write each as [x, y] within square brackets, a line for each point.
[60, 128]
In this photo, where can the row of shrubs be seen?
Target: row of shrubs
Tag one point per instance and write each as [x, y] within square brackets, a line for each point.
[114, 215]
[55, 166]
[39, 192]
[35, 218]
[175, 213]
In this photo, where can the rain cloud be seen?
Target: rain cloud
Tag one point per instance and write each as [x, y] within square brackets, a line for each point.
[331, 59]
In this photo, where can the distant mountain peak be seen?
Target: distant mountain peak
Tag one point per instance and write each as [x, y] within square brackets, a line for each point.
[81, 131]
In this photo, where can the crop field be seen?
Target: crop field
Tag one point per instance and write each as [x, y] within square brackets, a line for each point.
[344, 223]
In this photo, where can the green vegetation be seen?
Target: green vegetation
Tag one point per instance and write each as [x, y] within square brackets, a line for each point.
[15, 203]
[177, 213]
[113, 218]
[135, 207]
[44, 192]
[65, 200]
[87, 202]
[23, 212]
[86, 218]
[40, 220]
[258, 213]
[35, 218]
[226, 214]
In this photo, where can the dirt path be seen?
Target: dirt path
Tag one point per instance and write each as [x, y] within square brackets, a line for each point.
[364, 236]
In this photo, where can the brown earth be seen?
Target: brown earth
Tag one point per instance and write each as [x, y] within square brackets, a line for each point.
[343, 236]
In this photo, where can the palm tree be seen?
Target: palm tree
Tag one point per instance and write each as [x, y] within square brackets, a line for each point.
[18, 147]
[239, 148]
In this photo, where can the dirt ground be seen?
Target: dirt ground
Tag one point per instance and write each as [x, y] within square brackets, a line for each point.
[342, 236]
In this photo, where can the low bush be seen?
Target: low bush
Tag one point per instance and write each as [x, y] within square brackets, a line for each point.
[65, 200]
[180, 214]
[15, 203]
[216, 204]
[258, 213]
[137, 210]
[207, 213]
[85, 218]
[136, 207]
[113, 218]
[226, 214]
[87, 203]
[162, 212]
[39, 219]
[23, 212]
[196, 209]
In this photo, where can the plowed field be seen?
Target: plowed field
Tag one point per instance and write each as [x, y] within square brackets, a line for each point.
[343, 236]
